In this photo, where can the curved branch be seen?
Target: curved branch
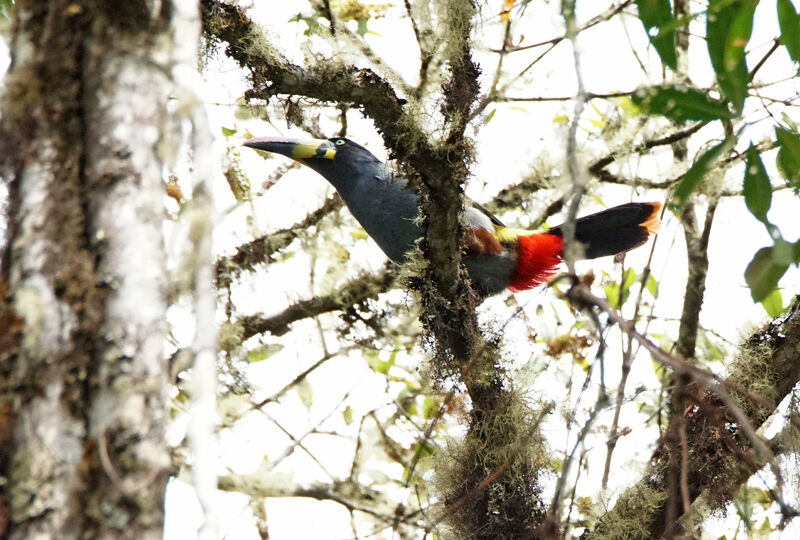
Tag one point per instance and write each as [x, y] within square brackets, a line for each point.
[360, 289]
[262, 249]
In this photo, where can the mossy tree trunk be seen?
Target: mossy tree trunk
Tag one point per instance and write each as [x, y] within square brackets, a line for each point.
[83, 397]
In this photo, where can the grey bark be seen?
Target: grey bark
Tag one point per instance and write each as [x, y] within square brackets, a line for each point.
[85, 130]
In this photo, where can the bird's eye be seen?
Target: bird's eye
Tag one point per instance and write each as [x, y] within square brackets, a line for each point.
[339, 142]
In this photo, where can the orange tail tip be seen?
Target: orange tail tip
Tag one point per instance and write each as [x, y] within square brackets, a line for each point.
[653, 221]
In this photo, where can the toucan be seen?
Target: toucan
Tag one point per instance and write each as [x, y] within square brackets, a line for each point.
[495, 256]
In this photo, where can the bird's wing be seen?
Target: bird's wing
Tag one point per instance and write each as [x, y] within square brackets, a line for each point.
[482, 209]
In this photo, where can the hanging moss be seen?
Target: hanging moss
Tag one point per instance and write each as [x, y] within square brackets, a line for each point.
[489, 481]
[632, 513]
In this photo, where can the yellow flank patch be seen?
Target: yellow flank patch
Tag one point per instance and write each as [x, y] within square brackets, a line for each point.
[509, 234]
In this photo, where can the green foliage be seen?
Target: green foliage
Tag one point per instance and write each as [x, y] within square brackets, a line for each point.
[313, 26]
[764, 271]
[695, 174]
[262, 352]
[757, 188]
[421, 450]
[651, 284]
[658, 22]
[5, 8]
[680, 103]
[748, 503]
[430, 406]
[769, 263]
[789, 22]
[728, 28]
[378, 365]
[708, 349]
[305, 391]
[788, 159]
[347, 415]
[773, 303]
[617, 294]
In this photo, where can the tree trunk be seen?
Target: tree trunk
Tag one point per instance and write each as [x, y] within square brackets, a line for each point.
[83, 401]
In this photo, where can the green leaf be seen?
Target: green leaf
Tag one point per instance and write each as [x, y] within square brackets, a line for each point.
[789, 23]
[726, 26]
[306, 393]
[709, 348]
[612, 294]
[313, 25]
[680, 103]
[582, 363]
[765, 529]
[656, 16]
[695, 173]
[788, 159]
[773, 303]
[628, 277]
[763, 273]
[262, 352]
[5, 8]
[757, 188]
[652, 285]
[378, 365]
[362, 27]
[227, 132]
[738, 35]
[359, 234]
[410, 407]
[421, 449]
[430, 406]
[783, 252]
[347, 415]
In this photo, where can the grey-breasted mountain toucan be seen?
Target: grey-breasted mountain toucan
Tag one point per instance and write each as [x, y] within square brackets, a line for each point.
[496, 256]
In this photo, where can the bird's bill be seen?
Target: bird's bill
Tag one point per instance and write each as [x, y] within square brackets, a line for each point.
[293, 148]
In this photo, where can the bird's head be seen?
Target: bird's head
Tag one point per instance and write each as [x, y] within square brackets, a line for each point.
[338, 159]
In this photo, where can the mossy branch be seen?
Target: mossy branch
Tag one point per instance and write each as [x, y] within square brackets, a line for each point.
[359, 289]
[262, 249]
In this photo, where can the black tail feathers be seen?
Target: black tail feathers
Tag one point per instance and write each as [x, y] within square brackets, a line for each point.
[615, 230]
